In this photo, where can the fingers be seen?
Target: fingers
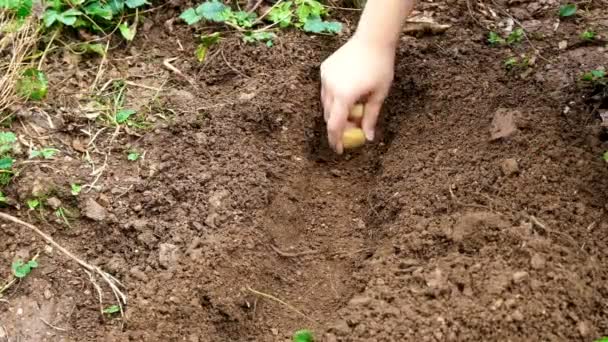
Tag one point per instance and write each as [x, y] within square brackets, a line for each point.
[372, 111]
[336, 123]
[326, 100]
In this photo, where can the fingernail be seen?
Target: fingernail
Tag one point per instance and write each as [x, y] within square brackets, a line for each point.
[369, 134]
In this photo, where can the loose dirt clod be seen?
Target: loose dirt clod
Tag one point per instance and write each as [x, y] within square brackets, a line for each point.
[503, 124]
[94, 210]
[509, 167]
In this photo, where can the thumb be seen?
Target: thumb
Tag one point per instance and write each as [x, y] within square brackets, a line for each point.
[370, 117]
[336, 124]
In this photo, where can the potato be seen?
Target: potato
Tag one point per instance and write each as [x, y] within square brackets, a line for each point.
[356, 113]
[353, 138]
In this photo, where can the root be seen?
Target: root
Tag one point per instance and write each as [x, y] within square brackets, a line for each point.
[112, 282]
[273, 298]
[292, 255]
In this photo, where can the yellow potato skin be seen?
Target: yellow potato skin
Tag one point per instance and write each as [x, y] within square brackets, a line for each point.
[356, 113]
[353, 138]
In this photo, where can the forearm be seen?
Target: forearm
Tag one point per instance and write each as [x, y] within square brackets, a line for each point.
[382, 20]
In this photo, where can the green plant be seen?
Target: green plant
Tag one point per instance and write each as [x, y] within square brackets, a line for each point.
[33, 84]
[33, 204]
[3, 198]
[516, 36]
[63, 213]
[206, 42]
[95, 15]
[603, 339]
[588, 35]
[75, 189]
[303, 335]
[7, 141]
[306, 15]
[605, 156]
[567, 10]
[21, 269]
[45, 153]
[133, 156]
[111, 309]
[595, 77]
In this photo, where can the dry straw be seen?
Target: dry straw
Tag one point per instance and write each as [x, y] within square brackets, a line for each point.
[17, 39]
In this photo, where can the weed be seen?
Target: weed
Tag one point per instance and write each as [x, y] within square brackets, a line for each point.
[603, 339]
[3, 198]
[33, 204]
[512, 63]
[515, 37]
[75, 189]
[567, 10]
[111, 309]
[588, 35]
[595, 77]
[133, 156]
[7, 141]
[21, 269]
[63, 213]
[206, 42]
[45, 153]
[33, 84]
[303, 335]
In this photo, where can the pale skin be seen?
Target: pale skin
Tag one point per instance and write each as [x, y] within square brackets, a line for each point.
[362, 70]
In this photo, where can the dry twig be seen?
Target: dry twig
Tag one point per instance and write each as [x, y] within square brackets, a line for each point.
[114, 284]
[273, 298]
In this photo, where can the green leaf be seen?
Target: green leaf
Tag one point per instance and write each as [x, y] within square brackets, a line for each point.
[117, 6]
[307, 9]
[314, 24]
[97, 9]
[7, 139]
[50, 17]
[46, 153]
[75, 189]
[124, 114]
[516, 36]
[91, 48]
[33, 84]
[136, 3]
[33, 204]
[241, 18]
[3, 198]
[588, 35]
[567, 10]
[111, 309]
[303, 335]
[190, 16]
[133, 156]
[598, 73]
[213, 11]
[281, 14]
[262, 36]
[127, 32]
[21, 270]
[6, 163]
[495, 39]
[206, 42]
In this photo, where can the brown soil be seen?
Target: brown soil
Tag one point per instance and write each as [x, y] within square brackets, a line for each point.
[480, 214]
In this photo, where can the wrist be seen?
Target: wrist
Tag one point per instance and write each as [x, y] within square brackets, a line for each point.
[376, 40]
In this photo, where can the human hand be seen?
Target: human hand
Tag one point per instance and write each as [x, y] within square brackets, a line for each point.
[359, 72]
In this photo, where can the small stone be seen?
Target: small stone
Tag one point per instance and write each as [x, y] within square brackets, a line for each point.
[520, 276]
[167, 255]
[509, 167]
[331, 338]
[360, 300]
[274, 331]
[147, 238]
[517, 316]
[537, 261]
[138, 274]
[562, 45]
[341, 328]
[503, 124]
[215, 200]
[54, 202]
[3, 333]
[583, 328]
[139, 224]
[497, 304]
[48, 294]
[94, 211]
